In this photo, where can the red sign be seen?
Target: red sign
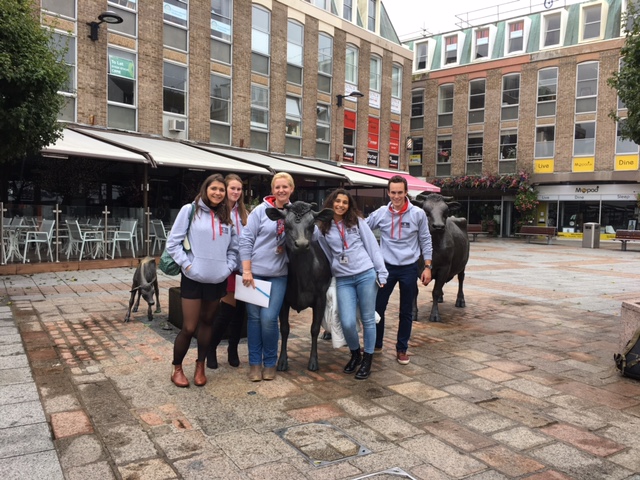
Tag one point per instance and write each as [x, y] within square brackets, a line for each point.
[394, 139]
[374, 133]
[349, 120]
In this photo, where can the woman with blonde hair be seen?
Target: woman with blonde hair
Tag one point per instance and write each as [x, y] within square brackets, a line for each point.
[263, 256]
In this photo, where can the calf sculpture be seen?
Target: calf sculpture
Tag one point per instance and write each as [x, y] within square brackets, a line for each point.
[145, 284]
[309, 273]
[450, 247]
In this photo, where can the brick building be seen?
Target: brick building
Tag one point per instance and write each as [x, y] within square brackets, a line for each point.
[528, 92]
[265, 75]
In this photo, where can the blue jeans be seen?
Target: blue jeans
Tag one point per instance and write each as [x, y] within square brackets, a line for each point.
[262, 325]
[358, 291]
[407, 276]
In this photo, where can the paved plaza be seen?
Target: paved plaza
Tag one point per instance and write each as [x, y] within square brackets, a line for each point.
[519, 384]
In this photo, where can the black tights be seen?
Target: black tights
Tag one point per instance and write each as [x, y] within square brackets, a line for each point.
[195, 314]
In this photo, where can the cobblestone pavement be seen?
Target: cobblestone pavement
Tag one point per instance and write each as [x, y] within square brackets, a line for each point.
[519, 384]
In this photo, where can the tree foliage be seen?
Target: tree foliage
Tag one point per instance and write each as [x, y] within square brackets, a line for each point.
[627, 80]
[31, 74]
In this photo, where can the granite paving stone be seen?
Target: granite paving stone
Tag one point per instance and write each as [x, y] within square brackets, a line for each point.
[34, 466]
[578, 464]
[25, 413]
[442, 456]
[582, 439]
[459, 436]
[507, 461]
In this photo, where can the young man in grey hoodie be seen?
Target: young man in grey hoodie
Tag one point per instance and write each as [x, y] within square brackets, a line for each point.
[404, 235]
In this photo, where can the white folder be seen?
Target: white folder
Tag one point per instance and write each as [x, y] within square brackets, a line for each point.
[258, 296]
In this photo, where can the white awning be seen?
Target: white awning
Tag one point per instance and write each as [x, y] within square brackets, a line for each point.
[276, 164]
[353, 178]
[171, 153]
[74, 144]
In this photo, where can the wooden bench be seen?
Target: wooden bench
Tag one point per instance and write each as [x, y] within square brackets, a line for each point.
[625, 236]
[475, 229]
[535, 231]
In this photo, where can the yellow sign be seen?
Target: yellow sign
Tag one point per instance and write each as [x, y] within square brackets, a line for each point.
[626, 162]
[415, 159]
[584, 164]
[543, 166]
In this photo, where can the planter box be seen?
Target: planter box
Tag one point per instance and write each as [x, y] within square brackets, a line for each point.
[175, 313]
[630, 316]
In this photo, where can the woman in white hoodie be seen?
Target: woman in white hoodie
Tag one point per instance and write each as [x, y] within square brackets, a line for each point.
[213, 255]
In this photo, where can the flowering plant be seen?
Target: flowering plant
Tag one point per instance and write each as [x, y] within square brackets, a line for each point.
[526, 199]
[500, 182]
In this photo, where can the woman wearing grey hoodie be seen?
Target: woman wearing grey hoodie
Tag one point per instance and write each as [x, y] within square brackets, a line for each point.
[213, 255]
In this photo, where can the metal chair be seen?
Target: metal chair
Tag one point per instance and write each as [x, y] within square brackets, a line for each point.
[78, 237]
[126, 233]
[160, 235]
[43, 235]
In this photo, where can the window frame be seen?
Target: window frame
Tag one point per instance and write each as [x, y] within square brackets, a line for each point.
[290, 138]
[260, 128]
[212, 98]
[418, 56]
[185, 91]
[291, 65]
[224, 42]
[323, 124]
[472, 160]
[442, 101]
[396, 81]
[585, 9]
[375, 75]
[447, 49]
[256, 31]
[592, 151]
[510, 36]
[372, 15]
[477, 31]
[546, 18]
[505, 106]
[70, 91]
[620, 143]
[540, 133]
[183, 28]
[322, 56]
[476, 97]
[586, 99]
[356, 57]
[415, 94]
[539, 85]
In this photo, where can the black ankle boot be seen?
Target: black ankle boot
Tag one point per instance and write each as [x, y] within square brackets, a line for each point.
[365, 367]
[221, 320]
[232, 355]
[356, 358]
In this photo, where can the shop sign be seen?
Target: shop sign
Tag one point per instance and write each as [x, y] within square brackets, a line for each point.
[394, 162]
[584, 164]
[415, 159]
[349, 154]
[543, 166]
[374, 99]
[396, 105]
[372, 158]
[626, 162]
[121, 67]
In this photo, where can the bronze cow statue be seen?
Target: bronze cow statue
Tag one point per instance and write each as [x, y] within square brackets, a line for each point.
[450, 247]
[309, 273]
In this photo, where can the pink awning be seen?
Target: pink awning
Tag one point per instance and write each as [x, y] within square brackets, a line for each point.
[414, 184]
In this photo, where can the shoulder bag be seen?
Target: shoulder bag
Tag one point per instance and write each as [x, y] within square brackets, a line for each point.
[167, 264]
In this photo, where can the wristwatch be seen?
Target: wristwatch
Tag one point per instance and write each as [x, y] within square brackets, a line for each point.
[430, 266]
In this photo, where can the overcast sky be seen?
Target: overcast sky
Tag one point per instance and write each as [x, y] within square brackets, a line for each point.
[410, 17]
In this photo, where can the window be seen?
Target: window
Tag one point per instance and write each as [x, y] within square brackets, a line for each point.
[474, 153]
[323, 4]
[351, 67]
[295, 42]
[417, 109]
[591, 20]
[422, 56]
[587, 87]
[375, 78]
[221, 30]
[293, 140]
[371, 16]
[349, 137]
[260, 40]
[347, 10]
[67, 44]
[508, 151]
[121, 90]
[482, 43]
[584, 139]
[325, 62]
[259, 117]
[624, 145]
[621, 105]
[396, 81]
[220, 109]
[323, 131]
[66, 8]
[176, 24]
[443, 156]
[445, 105]
[510, 96]
[416, 152]
[545, 142]
[516, 37]
[476, 100]
[127, 10]
[451, 49]
[174, 82]
[547, 90]
[552, 25]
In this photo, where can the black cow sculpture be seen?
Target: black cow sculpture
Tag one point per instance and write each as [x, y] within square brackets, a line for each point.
[309, 273]
[145, 284]
[450, 247]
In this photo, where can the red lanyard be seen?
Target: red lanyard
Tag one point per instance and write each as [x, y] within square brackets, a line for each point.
[342, 235]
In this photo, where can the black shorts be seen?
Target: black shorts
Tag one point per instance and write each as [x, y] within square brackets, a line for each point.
[209, 292]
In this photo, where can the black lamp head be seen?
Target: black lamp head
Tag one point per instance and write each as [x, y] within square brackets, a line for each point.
[354, 94]
[104, 17]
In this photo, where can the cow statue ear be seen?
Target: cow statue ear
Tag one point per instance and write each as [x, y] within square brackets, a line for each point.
[418, 202]
[453, 206]
[275, 214]
[325, 215]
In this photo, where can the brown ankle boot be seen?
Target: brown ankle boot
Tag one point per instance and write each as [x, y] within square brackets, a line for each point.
[178, 377]
[199, 378]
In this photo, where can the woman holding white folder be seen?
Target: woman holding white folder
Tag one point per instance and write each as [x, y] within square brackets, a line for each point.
[264, 257]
